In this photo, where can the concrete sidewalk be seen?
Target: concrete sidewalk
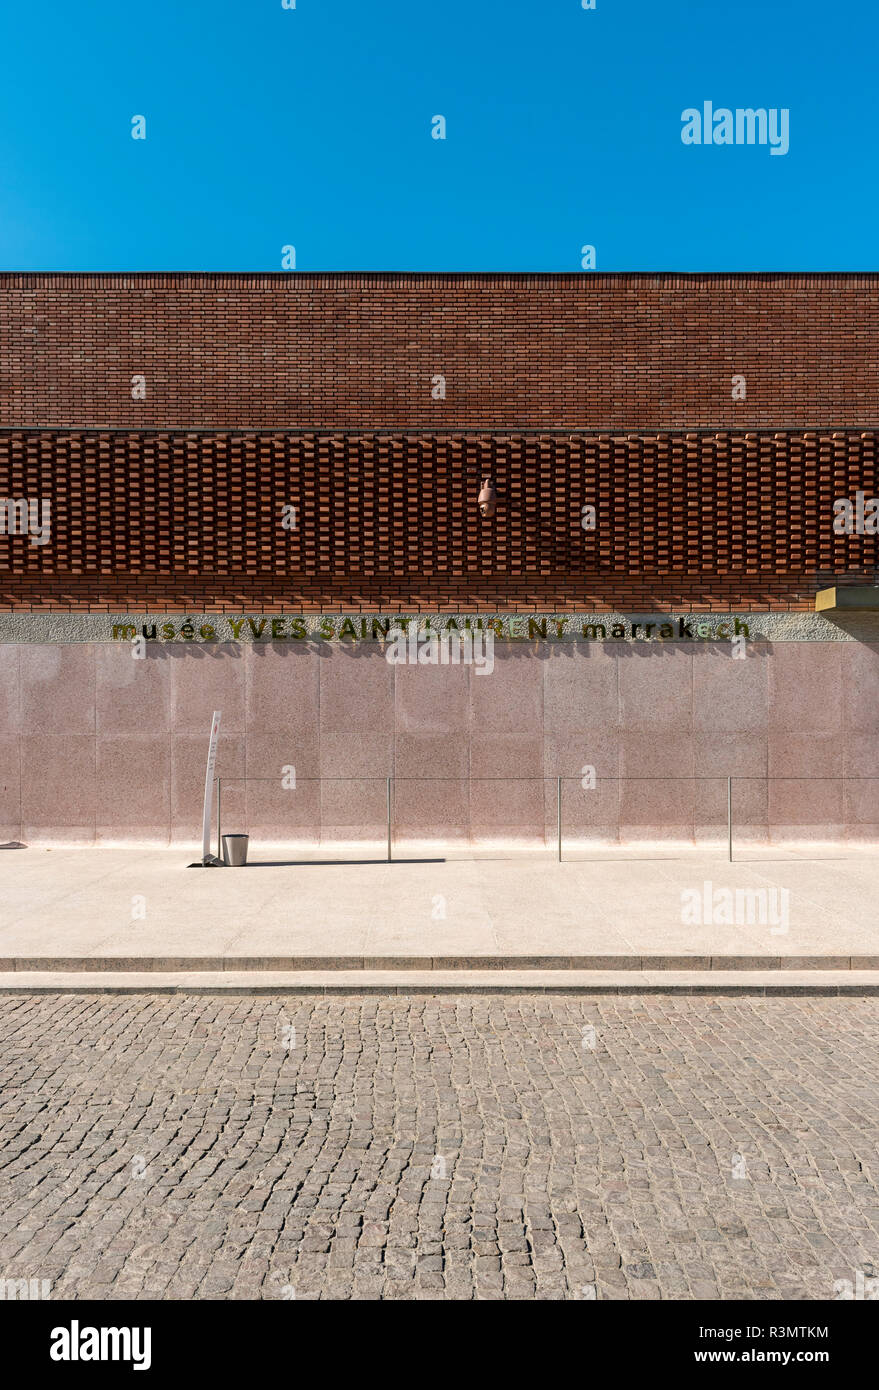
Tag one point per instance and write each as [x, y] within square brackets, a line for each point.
[121, 912]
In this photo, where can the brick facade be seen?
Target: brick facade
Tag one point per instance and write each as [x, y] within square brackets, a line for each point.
[616, 352]
[612, 391]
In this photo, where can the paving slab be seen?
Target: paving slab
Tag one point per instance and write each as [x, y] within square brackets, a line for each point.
[136, 908]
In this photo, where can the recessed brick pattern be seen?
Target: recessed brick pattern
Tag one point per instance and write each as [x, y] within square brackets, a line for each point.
[388, 521]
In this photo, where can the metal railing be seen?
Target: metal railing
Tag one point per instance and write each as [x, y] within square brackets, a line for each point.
[390, 781]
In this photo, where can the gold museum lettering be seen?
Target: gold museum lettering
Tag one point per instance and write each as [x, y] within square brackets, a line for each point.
[513, 629]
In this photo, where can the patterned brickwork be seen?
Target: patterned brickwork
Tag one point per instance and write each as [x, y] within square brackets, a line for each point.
[384, 521]
[612, 391]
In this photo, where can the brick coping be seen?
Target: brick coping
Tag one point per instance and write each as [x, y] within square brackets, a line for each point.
[588, 281]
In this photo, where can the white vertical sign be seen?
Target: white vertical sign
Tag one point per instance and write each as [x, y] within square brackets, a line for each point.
[209, 789]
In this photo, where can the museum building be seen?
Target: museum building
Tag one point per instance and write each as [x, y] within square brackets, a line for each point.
[472, 533]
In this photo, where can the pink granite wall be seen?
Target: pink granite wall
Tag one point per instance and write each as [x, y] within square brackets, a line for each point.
[96, 746]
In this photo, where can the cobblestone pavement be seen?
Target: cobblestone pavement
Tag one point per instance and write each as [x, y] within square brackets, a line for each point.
[438, 1146]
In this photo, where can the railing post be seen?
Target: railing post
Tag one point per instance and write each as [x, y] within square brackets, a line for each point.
[559, 815]
[729, 816]
[389, 820]
[219, 840]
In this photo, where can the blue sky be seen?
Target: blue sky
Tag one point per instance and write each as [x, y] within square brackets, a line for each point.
[311, 127]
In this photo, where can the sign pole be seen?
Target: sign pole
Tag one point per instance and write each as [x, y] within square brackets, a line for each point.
[389, 820]
[206, 857]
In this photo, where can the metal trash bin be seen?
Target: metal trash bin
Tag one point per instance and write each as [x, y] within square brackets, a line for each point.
[235, 850]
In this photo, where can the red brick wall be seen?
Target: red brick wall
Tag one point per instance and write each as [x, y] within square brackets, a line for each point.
[740, 516]
[167, 521]
[617, 352]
